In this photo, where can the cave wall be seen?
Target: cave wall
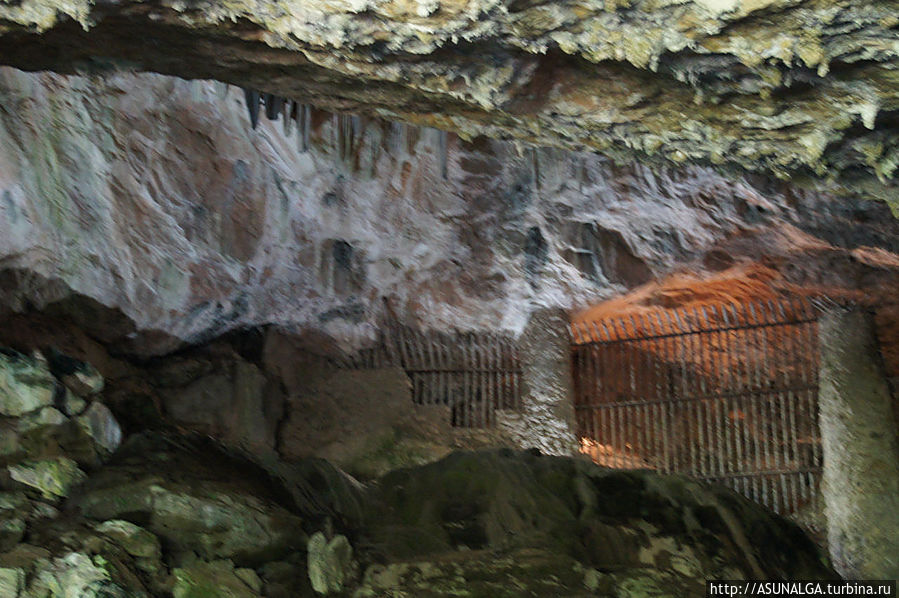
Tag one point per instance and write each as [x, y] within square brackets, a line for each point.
[152, 195]
[798, 89]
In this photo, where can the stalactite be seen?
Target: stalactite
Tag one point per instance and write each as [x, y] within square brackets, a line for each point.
[348, 126]
[396, 138]
[222, 90]
[335, 134]
[252, 99]
[442, 150]
[273, 105]
[304, 125]
[290, 115]
[196, 90]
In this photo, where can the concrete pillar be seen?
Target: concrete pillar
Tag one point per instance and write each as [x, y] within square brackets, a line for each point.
[547, 421]
[861, 457]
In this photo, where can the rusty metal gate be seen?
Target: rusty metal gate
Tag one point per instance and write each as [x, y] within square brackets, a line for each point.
[475, 374]
[725, 393]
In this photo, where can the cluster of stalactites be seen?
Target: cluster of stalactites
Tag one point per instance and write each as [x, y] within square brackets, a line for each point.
[275, 108]
[347, 127]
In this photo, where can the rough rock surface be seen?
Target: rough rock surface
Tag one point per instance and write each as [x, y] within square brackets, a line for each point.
[183, 516]
[491, 523]
[151, 195]
[191, 505]
[785, 87]
[41, 449]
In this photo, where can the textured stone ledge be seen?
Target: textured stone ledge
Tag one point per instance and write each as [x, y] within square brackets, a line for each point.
[805, 90]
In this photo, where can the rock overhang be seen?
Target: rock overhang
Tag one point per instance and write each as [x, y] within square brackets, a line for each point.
[801, 90]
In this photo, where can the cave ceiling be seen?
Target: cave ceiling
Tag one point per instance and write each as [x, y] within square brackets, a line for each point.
[803, 90]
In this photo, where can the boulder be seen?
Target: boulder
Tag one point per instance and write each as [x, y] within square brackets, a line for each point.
[11, 532]
[75, 575]
[212, 520]
[81, 378]
[53, 477]
[194, 499]
[26, 384]
[47, 417]
[217, 579]
[609, 520]
[72, 404]
[330, 562]
[136, 541]
[100, 424]
[363, 421]
[12, 582]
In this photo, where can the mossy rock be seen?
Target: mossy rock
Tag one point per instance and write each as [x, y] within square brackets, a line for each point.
[217, 579]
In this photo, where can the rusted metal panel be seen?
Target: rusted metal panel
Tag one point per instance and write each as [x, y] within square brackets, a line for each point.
[726, 393]
[475, 374]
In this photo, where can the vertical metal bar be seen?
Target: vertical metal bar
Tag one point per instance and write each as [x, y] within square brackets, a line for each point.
[630, 390]
[690, 451]
[760, 419]
[812, 345]
[488, 408]
[419, 365]
[640, 441]
[651, 420]
[699, 349]
[600, 374]
[768, 387]
[702, 353]
[437, 397]
[462, 379]
[515, 359]
[470, 381]
[587, 390]
[809, 360]
[793, 376]
[721, 452]
[617, 376]
[662, 359]
[730, 382]
[615, 382]
[492, 395]
[752, 385]
[752, 411]
[671, 405]
[602, 388]
[793, 408]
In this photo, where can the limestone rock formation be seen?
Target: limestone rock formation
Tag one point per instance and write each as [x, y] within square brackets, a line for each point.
[794, 89]
[42, 449]
[151, 196]
[499, 523]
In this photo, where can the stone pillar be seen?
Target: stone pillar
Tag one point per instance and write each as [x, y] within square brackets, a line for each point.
[861, 457]
[547, 421]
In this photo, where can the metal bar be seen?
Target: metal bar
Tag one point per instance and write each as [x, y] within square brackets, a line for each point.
[763, 402]
[703, 355]
[750, 474]
[490, 376]
[727, 328]
[664, 418]
[615, 427]
[651, 413]
[487, 407]
[690, 453]
[636, 434]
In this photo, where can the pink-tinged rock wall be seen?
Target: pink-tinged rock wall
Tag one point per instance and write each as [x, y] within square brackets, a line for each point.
[153, 195]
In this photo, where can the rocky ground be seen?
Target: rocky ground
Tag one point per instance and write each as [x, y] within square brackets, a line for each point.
[86, 513]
